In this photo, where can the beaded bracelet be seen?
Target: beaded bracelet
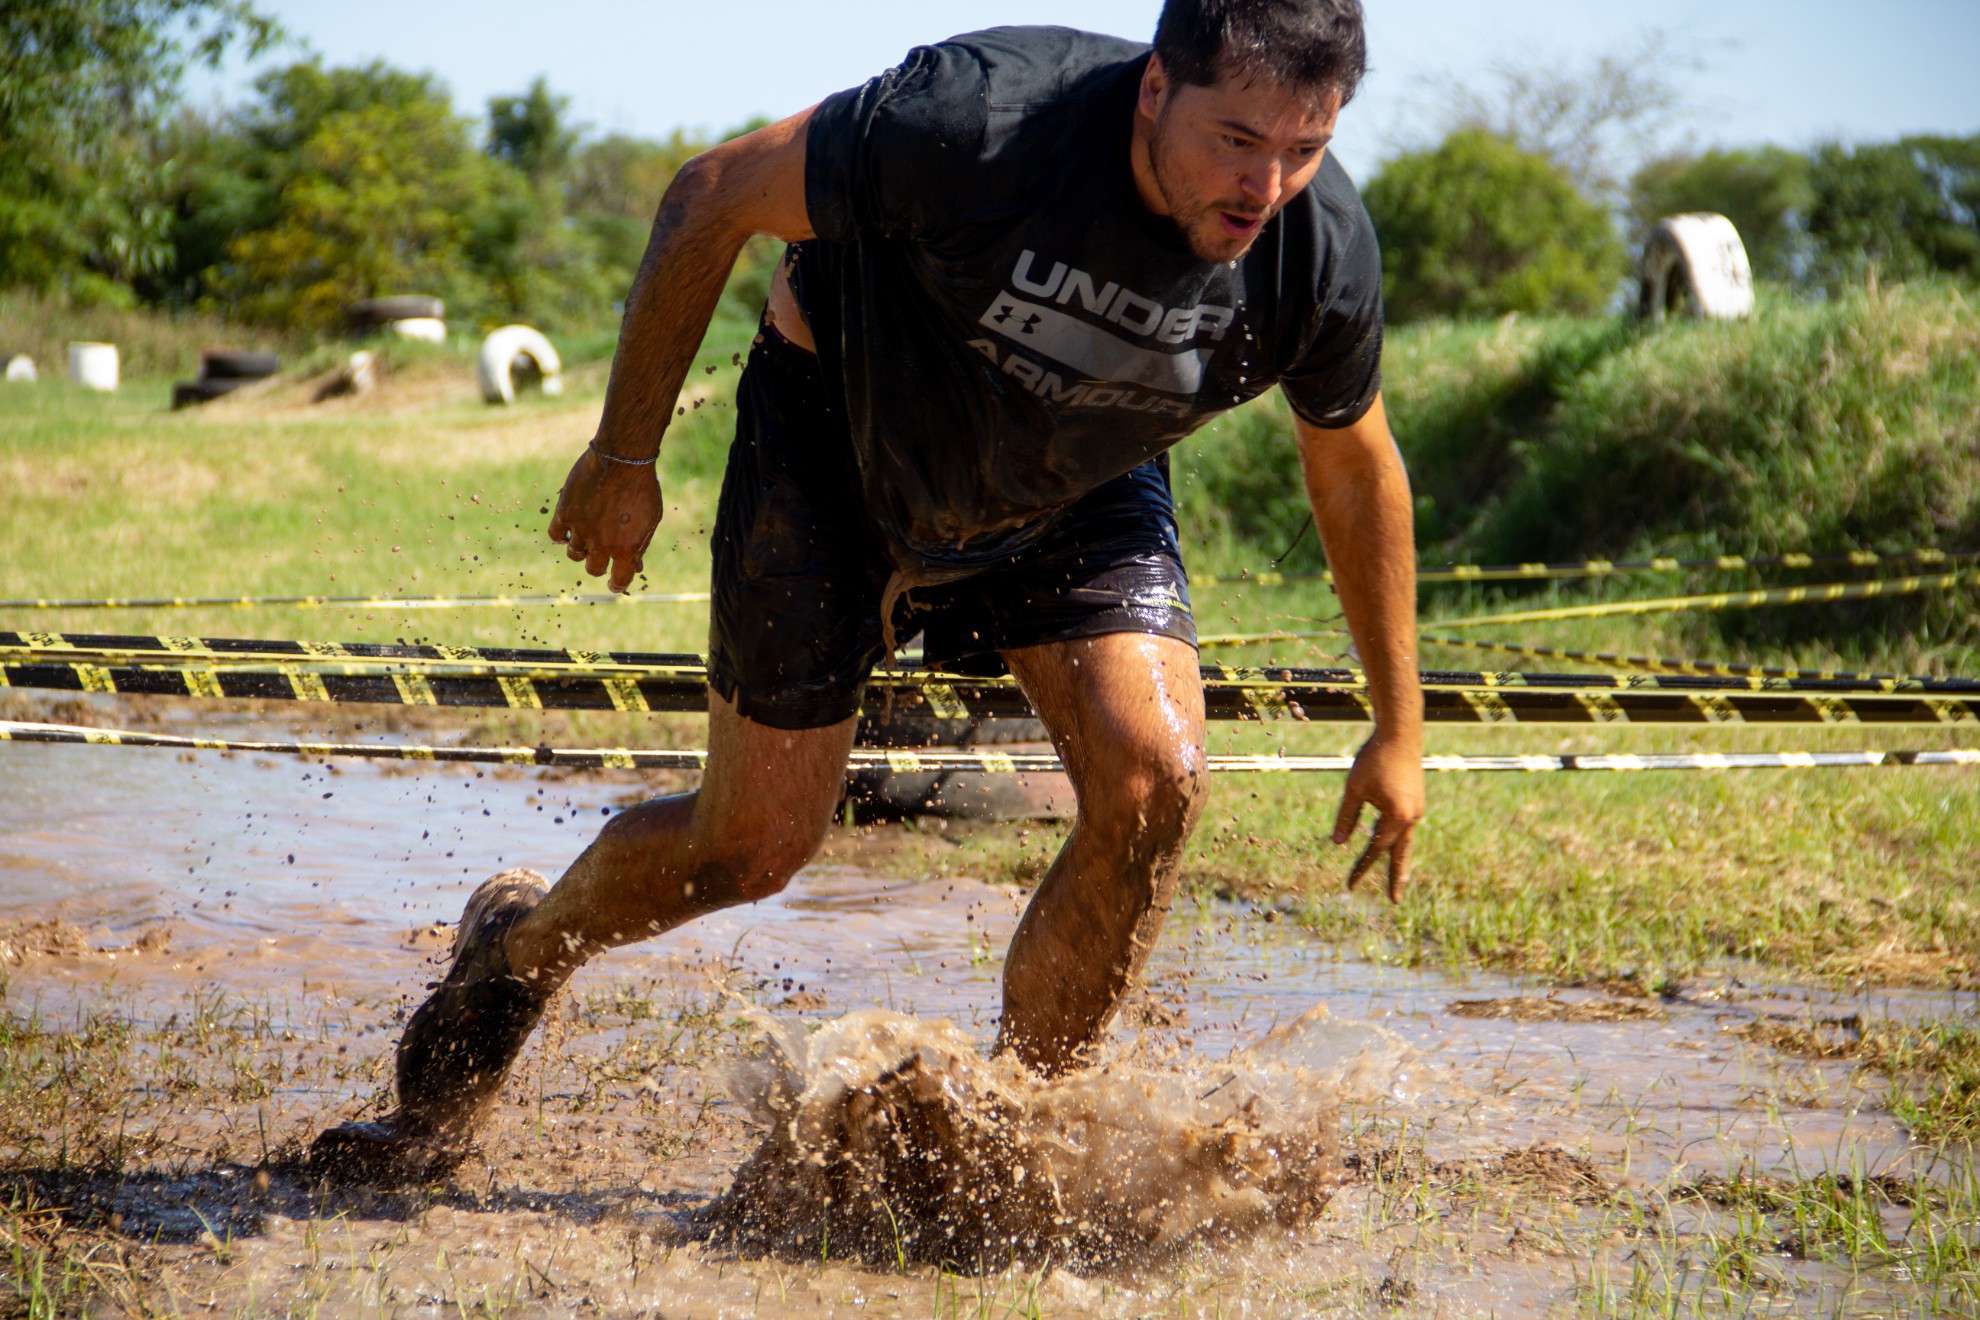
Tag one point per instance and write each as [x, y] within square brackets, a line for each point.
[614, 458]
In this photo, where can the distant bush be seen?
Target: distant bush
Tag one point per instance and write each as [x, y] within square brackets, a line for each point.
[82, 83]
[1828, 218]
[1764, 191]
[373, 187]
[1904, 208]
[1480, 227]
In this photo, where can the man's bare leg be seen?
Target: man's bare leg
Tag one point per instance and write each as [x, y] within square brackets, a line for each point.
[764, 805]
[1126, 713]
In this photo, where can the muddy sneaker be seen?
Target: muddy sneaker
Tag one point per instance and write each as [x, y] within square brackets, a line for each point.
[456, 1051]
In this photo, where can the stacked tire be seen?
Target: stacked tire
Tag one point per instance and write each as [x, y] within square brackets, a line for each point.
[221, 372]
[408, 316]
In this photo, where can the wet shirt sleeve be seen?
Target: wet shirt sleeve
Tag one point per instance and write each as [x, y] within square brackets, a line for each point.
[890, 157]
[1334, 381]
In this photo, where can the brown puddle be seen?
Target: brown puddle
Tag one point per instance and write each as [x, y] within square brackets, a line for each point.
[1492, 1155]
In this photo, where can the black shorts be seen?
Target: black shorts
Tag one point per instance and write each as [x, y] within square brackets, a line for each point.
[800, 572]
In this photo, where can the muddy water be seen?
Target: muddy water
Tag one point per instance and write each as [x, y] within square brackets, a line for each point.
[317, 885]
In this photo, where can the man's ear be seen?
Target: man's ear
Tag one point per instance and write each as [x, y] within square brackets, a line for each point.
[1154, 88]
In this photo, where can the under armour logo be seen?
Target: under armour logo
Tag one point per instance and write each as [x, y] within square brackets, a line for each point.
[1005, 312]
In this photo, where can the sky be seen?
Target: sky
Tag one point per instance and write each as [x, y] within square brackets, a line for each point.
[1792, 72]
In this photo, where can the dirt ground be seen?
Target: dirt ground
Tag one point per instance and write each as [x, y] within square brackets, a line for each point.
[160, 1093]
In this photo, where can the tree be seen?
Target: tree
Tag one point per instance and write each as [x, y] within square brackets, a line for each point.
[1590, 118]
[1902, 209]
[372, 187]
[81, 82]
[1481, 227]
[1764, 191]
[530, 133]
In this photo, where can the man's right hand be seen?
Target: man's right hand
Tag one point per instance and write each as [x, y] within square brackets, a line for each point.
[606, 517]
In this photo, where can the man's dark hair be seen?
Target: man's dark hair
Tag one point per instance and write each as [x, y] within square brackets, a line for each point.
[1317, 44]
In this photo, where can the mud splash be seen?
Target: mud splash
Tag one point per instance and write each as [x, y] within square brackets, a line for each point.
[895, 1140]
[29, 941]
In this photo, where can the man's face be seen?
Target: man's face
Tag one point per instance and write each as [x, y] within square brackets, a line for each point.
[1222, 160]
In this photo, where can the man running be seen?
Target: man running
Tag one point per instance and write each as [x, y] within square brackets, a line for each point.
[1023, 264]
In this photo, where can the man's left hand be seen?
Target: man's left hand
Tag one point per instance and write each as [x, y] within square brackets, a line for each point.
[1388, 776]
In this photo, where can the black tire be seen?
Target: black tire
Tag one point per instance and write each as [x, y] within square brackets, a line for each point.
[882, 794]
[237, 364]
[370, 313]
[188, 393]
[922, 730]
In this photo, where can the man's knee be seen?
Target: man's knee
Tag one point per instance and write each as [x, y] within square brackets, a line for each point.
[1153, 798]
[764, 862]
[729, 864]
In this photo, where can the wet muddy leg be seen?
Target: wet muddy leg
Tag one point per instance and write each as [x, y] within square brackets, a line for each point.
[1126, 713]
[762, 810]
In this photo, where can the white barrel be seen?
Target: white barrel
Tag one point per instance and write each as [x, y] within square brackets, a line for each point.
[93, 365]
[424, 329]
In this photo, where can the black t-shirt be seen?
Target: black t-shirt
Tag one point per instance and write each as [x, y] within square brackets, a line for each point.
[1013, 326]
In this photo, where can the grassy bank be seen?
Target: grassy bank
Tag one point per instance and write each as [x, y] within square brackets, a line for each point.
[1817, 426]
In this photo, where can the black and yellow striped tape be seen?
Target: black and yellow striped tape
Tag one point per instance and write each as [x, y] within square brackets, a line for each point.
[261, 657]
[962, 760]
[1321, 696]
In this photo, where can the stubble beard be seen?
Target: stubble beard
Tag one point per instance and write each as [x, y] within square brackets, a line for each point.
[1189, 214]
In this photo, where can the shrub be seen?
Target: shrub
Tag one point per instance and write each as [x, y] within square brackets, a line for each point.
[1479, 227]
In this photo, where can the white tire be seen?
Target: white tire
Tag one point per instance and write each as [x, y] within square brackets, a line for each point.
[511, 348]
[421, 329]
[20, 367]
[1694, 265]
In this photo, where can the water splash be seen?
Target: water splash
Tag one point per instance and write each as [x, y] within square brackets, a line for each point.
[889, 1138]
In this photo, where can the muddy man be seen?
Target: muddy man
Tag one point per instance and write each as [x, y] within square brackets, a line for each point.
[1022, 265]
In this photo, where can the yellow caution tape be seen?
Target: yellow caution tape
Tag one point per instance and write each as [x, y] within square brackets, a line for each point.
[549, 598]
[1584, 568]
[1530, 572]
[947, 760]
[1813, 594]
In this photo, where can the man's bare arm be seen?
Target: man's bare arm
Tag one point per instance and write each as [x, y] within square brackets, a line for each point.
[751, 185]
[1361, 505]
